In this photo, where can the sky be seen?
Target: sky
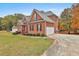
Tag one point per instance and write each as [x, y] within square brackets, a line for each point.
[26, 8]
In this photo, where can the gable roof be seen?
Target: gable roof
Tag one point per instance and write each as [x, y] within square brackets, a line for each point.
[24, 20]
[43, 15]
[48, 13]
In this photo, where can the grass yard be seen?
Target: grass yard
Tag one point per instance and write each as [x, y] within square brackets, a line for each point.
[22, 45]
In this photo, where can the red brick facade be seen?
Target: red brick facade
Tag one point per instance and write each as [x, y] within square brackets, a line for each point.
[34, 30]
[39, 25]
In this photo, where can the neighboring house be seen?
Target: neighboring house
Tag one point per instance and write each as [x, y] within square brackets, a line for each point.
[40, 22]
[14, 29]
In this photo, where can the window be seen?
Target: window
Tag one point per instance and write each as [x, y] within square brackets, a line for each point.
[39, 27]
[31, 27]
[35, 17]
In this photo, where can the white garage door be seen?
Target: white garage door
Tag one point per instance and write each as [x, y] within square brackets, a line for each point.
[49, 30]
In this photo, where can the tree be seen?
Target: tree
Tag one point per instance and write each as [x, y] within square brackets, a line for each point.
[75, 18]
[0, 23]
[10, 20]
[66, 17]
[4, 23]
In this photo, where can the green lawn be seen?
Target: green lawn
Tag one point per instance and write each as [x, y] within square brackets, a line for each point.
[22, 45]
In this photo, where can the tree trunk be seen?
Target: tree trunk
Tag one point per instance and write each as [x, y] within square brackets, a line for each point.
[68, 32]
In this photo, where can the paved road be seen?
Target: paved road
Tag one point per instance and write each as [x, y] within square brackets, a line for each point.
[64, 45]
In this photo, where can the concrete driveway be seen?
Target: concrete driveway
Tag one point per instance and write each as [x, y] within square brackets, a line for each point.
[64, 45]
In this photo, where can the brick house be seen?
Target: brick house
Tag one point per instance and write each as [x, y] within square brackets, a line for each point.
[40, 22]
